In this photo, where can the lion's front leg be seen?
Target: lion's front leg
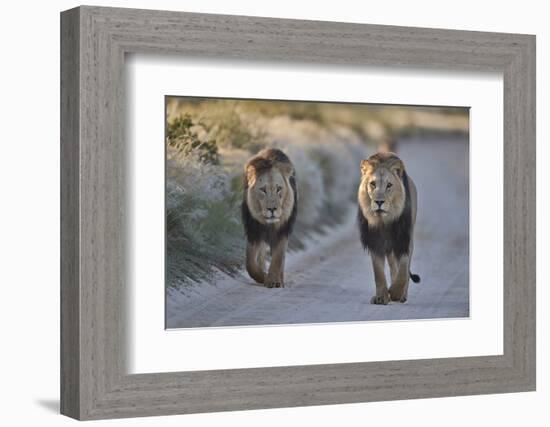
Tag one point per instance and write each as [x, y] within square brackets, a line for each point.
[394, 266]
[382, 296]
[400, 283]
[275, 274]
[255, 269]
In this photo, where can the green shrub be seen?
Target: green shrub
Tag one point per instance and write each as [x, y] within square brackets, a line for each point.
[202, 235]
[181, 136]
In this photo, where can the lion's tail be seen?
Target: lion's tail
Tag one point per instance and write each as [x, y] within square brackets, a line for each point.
[414, 277]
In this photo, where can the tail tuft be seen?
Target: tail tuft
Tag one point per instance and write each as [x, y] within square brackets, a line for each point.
[415, 277]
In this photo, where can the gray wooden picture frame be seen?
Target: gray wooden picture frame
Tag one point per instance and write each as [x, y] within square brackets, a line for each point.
[94, 41]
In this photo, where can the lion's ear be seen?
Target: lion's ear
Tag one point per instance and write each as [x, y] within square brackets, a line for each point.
[398, 168]
[365, 166]
[286, 169]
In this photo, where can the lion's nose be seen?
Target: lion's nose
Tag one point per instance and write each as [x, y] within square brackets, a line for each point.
[272, 210]
[379, 203]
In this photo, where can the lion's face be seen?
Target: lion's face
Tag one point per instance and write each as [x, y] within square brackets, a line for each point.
[381, 192]
[270, 197]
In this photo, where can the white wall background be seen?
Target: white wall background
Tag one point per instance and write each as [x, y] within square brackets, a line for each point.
[29, 212]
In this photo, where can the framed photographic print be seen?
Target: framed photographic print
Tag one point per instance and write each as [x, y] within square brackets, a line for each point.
[262, 213]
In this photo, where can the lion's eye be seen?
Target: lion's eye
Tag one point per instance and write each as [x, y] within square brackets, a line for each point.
[279, 188]
[373, 184]
[389, 185]
[263, 190]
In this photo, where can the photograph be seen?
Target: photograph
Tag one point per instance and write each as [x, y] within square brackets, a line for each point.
[281, 212]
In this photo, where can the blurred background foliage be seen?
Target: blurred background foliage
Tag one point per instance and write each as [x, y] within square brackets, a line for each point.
[208, 141]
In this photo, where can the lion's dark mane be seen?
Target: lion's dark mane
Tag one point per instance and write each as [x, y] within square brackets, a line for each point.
[255, 231]
[394, 237]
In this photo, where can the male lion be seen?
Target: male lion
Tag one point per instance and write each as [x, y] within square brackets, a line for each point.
[269, 210]
[387, 213]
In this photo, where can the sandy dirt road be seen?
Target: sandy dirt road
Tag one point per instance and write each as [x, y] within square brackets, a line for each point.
[332, 281]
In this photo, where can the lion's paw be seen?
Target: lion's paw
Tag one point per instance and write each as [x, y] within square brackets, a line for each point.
[380, 299]
[274, 283]
[398, 296]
